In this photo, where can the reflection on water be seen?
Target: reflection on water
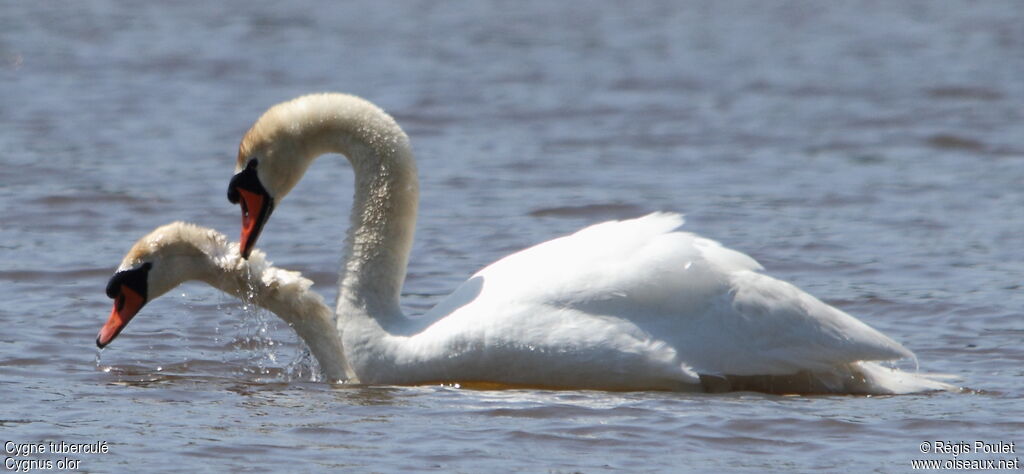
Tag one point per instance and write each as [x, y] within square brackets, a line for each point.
[868, 153]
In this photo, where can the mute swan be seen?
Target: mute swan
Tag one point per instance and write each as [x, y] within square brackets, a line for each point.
[179, 252]
[632, 304]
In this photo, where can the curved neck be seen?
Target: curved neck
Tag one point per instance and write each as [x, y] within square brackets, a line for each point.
[287, 294]
[381, 227]
[383, 216]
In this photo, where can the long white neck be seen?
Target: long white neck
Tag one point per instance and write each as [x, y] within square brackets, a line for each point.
[288, 295]
[383, 216]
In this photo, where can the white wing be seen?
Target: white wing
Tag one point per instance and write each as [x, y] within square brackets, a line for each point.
[638, 294]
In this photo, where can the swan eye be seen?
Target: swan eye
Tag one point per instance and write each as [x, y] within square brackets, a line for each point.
[246, 179]
[137, 279]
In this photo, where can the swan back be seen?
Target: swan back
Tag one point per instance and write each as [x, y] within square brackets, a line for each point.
[642, 286]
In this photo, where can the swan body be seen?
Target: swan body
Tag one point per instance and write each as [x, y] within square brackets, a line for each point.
[591, 310]
[633, 304]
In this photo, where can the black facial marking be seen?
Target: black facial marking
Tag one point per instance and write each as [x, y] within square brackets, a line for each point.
[246, 179]
[136, 279]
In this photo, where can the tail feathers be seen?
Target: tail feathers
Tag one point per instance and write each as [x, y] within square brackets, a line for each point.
[878, 379]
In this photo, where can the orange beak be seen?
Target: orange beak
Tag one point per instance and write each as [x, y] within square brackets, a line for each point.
[255, 211]
[246, 190]
[127, 304]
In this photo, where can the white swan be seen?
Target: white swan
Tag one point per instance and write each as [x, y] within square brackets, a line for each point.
[633, 304]
[180, 252]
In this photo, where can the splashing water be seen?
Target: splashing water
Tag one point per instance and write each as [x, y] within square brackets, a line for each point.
[272, 351]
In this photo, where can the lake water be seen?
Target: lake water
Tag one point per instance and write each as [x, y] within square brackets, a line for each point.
[872, 153]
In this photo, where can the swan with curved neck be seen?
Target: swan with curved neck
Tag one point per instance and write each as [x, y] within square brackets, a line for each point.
[180, 252]
[634, 304]
[278, 149]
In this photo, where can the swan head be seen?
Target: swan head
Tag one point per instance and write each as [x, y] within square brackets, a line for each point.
[158, 262]
[272, 157]
[278, 149]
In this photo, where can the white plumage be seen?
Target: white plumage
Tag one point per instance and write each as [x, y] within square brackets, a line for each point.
[637, 304]
[624, 305]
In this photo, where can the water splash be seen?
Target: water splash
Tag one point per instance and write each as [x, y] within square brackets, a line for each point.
[99, 362]
[270, 350]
